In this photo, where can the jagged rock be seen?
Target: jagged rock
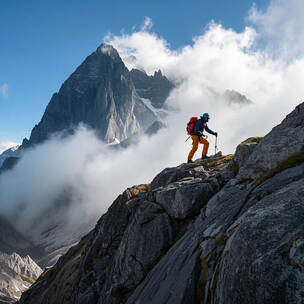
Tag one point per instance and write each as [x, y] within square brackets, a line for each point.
[264, 272]
[244, 150]
[175, 278]
[171, 175]
[11, 152]
[16, 275]
[284, 140]
[155, 88]
[56, 283]
[136, 255]
[186, 199]
[235, 98]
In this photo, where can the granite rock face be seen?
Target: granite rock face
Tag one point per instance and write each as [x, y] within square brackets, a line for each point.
[284, 140]
[198, 233]
[156, 88]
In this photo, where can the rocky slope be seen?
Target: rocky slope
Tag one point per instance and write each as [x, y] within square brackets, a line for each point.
[216, 231]
[16, 275]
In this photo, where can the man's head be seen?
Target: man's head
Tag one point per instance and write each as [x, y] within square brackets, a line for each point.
[205, 116]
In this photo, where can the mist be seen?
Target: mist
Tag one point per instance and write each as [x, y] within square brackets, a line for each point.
[219, 59]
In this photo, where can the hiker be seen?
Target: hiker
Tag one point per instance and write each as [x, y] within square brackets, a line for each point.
[196, 132]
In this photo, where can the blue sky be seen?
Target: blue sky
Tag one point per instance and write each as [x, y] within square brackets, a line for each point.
[43, 42]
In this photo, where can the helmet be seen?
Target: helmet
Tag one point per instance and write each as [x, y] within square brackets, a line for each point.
[206, 115]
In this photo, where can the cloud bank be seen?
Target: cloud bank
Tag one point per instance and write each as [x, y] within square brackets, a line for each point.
[281, 27]
[220, 59]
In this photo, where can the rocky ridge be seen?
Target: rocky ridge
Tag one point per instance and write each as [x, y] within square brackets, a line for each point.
[215, 231]
[9, 153]
[156, 87]
[16, 275]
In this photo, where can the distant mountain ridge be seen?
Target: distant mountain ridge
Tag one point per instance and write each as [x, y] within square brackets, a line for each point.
[16, 275]
[156, 88]
[8, 153]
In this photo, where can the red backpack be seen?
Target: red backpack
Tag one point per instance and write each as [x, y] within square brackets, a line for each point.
[191, 124]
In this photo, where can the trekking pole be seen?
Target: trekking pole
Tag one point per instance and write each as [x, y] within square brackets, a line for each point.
[188, 138]
[215, 147]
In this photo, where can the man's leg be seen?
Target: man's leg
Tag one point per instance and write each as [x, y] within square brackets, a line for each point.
[205, 142]
[194, 147]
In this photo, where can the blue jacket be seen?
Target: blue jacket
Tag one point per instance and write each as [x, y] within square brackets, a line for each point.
[200, 126]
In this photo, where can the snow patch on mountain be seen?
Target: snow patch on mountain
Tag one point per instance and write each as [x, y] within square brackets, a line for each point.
[13, 151]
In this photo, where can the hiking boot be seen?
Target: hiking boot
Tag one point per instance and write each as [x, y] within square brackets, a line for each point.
[190, 161]
[205, 157]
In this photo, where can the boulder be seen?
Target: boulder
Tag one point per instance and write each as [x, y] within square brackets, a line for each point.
[282, 142]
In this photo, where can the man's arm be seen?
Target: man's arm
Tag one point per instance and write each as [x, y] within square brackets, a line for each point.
[210, 131]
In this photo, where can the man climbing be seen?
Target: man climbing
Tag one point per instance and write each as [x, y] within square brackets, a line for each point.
[198, 137]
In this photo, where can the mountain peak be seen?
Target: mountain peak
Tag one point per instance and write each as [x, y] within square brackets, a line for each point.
[109, 50]
[158, 73]
[100, 94]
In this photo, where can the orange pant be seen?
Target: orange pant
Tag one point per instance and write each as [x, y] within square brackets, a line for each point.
[195, 142]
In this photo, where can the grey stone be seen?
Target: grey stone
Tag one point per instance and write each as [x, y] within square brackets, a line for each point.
[187, 200]
[13, 271]
[168, 176]
[244, 150]
[283, 141]
[135, 256]
[155, 88]
[174, 280]
[255, 267]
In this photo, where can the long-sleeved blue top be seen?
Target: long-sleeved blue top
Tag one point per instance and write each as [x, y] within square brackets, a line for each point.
[200, 126]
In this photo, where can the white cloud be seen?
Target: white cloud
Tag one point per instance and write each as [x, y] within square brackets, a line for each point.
[217, 60]
[4, 90]
[93, 174]
[281, 27]
[147, 24]
[4, 145]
